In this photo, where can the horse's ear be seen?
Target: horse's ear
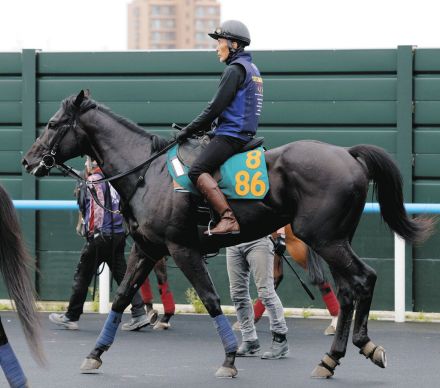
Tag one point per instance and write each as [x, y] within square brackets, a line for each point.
[79, 99]
[87, 93]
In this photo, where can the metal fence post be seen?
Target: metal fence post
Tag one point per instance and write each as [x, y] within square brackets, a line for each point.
[28, 135]
[404, 149]
[104, 290]
[399, 278]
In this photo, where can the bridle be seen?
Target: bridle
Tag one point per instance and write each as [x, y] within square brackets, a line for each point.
[48, 160]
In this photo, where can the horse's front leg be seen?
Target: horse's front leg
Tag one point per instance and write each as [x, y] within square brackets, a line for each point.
[9, 362]
[194, 268]
[139, 266]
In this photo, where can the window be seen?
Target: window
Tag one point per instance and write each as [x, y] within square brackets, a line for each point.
[201, 36]
[211, 24]
[155, 10]
[168, 35]
[155, 36]
[168, 23]
[155, 23]
[199, 24]
[200, 11]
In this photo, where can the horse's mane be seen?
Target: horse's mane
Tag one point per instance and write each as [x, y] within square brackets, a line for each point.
[158, 142]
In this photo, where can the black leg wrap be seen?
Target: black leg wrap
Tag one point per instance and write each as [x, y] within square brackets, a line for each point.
[96, 353]
[228, 369]
[229, 360]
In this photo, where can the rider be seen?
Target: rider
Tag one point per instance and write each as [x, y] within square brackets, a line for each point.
[236, 108]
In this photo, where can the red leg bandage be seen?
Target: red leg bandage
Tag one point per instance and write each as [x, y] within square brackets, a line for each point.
[166, 295]
[259, 309]
[329, 298]
[146, 293]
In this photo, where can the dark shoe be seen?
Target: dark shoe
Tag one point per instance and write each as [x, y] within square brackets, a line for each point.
[228, 223]
[62, 320]
[248, 349]
[278, 349]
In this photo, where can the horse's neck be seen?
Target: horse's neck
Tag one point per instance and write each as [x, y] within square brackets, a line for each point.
[119, 147]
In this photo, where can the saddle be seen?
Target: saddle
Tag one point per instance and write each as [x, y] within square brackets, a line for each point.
[188, 152]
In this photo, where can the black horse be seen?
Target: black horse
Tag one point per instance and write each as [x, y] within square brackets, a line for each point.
[14, 267]
[320, 189]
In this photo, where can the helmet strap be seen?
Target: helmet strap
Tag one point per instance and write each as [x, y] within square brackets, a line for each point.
[233, 51]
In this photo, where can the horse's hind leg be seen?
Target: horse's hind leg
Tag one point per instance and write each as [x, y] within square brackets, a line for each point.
[330, 360]
[9, 362]
[194, 268]
[139, 266]
[355, 281]
[360, 331]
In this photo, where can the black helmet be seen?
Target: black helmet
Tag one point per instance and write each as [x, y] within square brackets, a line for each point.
[233, 30]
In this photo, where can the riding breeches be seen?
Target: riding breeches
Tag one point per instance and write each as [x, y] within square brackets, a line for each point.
[94, 253]
[219, 149]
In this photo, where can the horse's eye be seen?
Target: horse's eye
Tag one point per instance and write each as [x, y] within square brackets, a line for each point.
[50, 125]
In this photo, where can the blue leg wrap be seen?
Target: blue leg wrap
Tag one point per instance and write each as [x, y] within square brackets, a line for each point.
[225, 332]
[108, 332]
[11, 367]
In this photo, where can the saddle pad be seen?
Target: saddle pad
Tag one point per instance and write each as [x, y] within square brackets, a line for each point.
[243, 176]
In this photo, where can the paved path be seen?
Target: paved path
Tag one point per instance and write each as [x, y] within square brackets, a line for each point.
[190, 352]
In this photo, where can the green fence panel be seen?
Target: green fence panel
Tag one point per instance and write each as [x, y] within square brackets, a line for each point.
[389, 97]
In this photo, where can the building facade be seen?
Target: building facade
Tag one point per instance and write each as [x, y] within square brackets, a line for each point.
[172, 24]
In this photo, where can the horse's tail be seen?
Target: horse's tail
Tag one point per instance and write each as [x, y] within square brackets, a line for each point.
[388, 186]
[15, 263]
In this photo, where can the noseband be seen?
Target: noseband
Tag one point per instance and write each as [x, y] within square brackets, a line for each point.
[48, 158]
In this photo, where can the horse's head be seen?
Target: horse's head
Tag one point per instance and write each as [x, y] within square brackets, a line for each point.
[62, 139]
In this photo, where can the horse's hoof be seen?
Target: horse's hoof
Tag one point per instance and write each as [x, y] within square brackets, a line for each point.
[90, 365]
[321, 372]
[376, 354]
[226, 372]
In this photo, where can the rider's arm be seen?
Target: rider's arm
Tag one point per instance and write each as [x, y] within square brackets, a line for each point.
[231, 80]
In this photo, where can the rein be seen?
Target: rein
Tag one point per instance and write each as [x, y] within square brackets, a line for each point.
[90, 185]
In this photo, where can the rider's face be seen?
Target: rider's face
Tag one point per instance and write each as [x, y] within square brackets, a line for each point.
[222, 50]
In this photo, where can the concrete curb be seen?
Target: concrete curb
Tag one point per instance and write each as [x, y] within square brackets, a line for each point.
[92, 307]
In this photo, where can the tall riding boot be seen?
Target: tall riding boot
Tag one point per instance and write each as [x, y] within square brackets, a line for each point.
[210, 190]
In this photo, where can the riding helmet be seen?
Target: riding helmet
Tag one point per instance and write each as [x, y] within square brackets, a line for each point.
[233, 30]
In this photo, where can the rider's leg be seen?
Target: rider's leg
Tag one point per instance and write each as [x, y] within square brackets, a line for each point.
[214, 155]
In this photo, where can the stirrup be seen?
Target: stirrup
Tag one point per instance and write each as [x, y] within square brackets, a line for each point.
[209, 227]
